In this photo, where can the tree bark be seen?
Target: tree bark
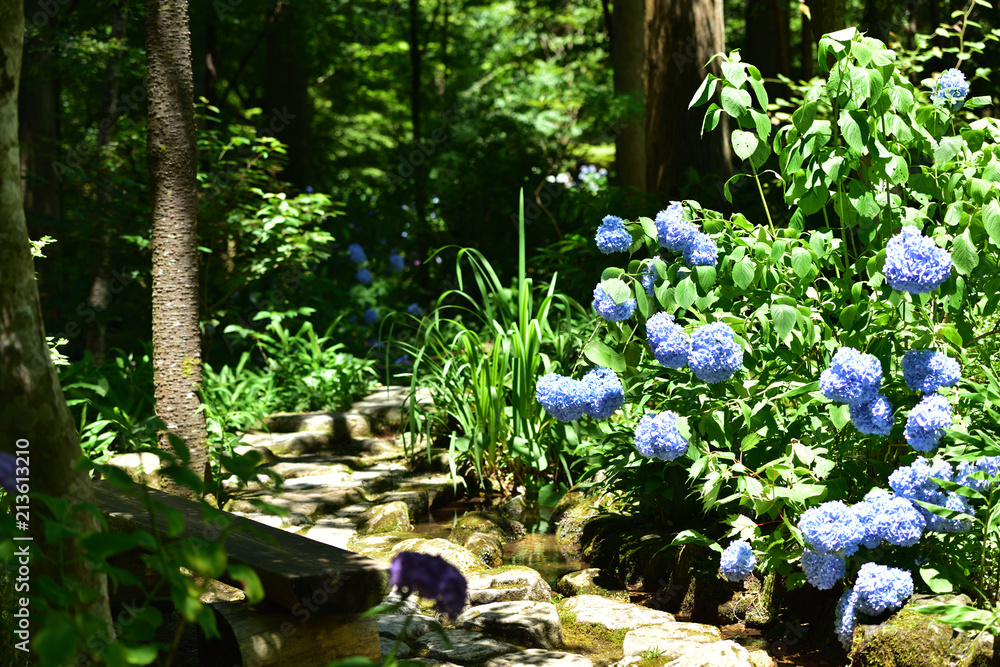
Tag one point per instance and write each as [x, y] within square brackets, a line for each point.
[286, 107]
[628, 57]
[681, 37]
[32, 406]
[766, 41]
[171, 158]
[827, 16]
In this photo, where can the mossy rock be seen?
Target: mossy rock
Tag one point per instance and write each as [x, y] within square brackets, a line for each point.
[593, 582]
[487, 549]
[489, 524]
[457, 555]
[379, 546]
[392, 517]
[570, 528]
[912, 639]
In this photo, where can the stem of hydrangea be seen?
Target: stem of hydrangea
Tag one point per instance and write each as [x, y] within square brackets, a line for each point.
[580, 356]
[767, 210]
[826, 219]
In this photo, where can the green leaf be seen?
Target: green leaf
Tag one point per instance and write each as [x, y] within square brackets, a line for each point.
[735, 102]
[848, 316]
[784, 319]
[991, 220]
[744, 143]
[686, 293]
[602, 355]
[801, 262]
[251, 582]
[963, 254]
[935, 581]
[897, 170]
[705, 91]
[734, 73]
[743, 273]
[706, 276]
[948, 149]
[854, 127]
[617, 290]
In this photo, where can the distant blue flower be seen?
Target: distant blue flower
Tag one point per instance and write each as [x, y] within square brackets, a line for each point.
[673, 232]
[714, 355]
[832, 528]
[371, 316]
[357, 253]
[929, 370]
[823, 570]
[415, 310]
[564, 398]
[648, 279]
[873, 417]
[605, 393]
[403, 360]
[701, 251]
[657, 437]
[309, 189]
[667, 340]
[846, 619]
[914, 264]
[951, 89]
[430, 577]
[364, 276]
[608, 309]
[988, 468]
[853, 377]
[880, 588]
[396, 262]
[8, 462]
[737, 561]
[612, 235]
[927, 422]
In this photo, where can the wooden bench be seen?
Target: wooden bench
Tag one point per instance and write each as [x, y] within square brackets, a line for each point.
[313, 592]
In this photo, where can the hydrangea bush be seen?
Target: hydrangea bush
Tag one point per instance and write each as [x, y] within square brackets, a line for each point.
[805, 371]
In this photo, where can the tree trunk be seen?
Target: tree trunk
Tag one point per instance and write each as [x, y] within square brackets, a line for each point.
[170, 155]
[628, 57]
[286, 107]
[766, 42]
[827, 16]
[33, 410]
[681, 37]
[807, 48]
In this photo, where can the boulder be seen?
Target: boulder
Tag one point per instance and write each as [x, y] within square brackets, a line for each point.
[406, 626]
[392, 517]
[614, 615]
[387, 645]
[571, 525]
[525, 623]
[459, 556]
[593, 582]
[487, 548]
[717, 654]
[919, 640]
[379, 546]
[669, 640]
[537, 657]
[514, 584]
[466, 646]
[483, 522]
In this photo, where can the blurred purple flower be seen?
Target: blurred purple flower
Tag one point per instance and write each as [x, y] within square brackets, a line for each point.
[7, 464]
[430, 577]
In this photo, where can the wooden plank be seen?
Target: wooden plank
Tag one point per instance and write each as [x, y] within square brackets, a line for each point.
[301, 575]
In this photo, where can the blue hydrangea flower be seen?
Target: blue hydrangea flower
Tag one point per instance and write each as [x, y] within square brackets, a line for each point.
[357, 253]
[929, 370]
[605, 392]
[916, 482]
[927, 422]
[430, 577]
[564, 398]
[987, 468]
[951, 89]
[701, 251]
[823, 570]
[738, 561]
[832, 528]
[893, 519]
[364, 276]
[371, 316]
[961, 523]
[714, 355]
[673, 232]
[657, 437]
[853, 377]
[873, 417]
[846, 619]
[667, 340]
[612, 235]
[648, 279]
[8, 463]
[415, 310]
[914, 264]
[880, 588]
[396, 262]
[608, 309]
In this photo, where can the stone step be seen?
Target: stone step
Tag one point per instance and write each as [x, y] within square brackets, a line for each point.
[337, 425]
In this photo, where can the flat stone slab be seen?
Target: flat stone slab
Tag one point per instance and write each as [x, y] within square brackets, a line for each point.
[514, 584]
[614, 615]
[341, 426]
[467, 647]
[386, 406]
[387, 645]
[309, 502]
[525, 623]
[537, 657]
[335, 532]
[392, 625]
[670, 640]
[291, 468]
[717, 654]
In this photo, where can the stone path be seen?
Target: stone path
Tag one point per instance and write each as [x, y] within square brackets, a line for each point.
[346, 484]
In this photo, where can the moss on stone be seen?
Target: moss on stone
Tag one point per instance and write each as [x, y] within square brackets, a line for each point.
[912, 639]
[489, 524]
[600, 645]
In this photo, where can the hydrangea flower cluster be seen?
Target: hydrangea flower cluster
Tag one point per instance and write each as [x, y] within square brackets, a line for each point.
[832, 528]
[846, 619]
[597, 395]
[8, 463]
[988, 467]
[877, 589]
[823, 570]
[357, 253]
[714, 355]
[855, 378]
[608, 309]
[737, 561]
[929, 370]
[893, 519]
[927, 422]
[873, 417]
[675, 233]
[430, 577]
[371, 316]
[364, 276]
[914, 264]
[415, 310]
[657, 437]
[396, 262]
[612, 235]
[667, 340]
[916, 482]
[951, 89]
[648, 280]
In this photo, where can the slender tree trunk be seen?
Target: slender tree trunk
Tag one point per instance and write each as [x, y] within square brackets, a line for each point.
[32, 406]
[286, 104]
[827, 16]
[807, 49]
[628, 57]
[682, 35]
[100, 288]
[170, 155]
[766, 43]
